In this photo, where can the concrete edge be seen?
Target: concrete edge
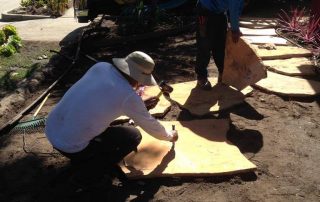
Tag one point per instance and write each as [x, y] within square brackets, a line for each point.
[8, 17]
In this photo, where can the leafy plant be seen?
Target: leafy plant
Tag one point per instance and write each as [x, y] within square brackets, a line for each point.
[2, 37]
[58, 7]
[141, 18]
[291, 21]
[7, 50]
[15, 41]
[26, 3]
[310, 32]
[10, 42]
[35, 3]
[9, 30]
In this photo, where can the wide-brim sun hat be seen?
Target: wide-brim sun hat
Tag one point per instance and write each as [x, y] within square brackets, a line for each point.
[139, 66]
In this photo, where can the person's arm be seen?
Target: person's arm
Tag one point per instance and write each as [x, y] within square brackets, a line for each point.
[235, 10]
[135, 108]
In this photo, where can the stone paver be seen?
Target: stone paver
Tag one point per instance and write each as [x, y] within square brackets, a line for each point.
[289, 86]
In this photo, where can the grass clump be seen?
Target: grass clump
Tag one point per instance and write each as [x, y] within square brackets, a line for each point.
[23, 64]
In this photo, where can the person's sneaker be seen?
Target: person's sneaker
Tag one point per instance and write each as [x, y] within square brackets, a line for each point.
[204, 84]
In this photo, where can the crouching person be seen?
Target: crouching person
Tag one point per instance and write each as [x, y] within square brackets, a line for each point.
[79, 125]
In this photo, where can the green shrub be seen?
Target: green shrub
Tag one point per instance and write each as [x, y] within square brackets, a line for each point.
[35, 3]
[10, 42]
[26, 3]
[7, 50]
[15, 41]
[41, 3]
[9, 30]
[58, 7]
[2, 37]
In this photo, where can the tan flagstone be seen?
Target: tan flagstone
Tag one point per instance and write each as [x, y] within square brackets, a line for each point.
[242, 66]
[265, 40]
[200, 102]
[258, 23]
[201, 150]
[292, 67]
[282, 52]
[289, 86]
[258, 32]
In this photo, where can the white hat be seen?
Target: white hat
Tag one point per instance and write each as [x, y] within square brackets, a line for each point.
[138, 66]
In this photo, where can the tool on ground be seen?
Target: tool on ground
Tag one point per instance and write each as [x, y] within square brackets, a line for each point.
[165, 88]
[30, 125]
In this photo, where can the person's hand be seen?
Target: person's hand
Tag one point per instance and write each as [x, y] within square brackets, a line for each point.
[174, 136]
[151, 102]
[236, 35]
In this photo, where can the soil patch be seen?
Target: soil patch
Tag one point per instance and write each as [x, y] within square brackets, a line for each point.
[280, 135]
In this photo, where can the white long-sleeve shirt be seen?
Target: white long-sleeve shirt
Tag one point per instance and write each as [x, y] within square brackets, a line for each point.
[91, 104]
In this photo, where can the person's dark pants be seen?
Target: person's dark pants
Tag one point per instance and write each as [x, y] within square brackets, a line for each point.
[211, 38]
[107, 149]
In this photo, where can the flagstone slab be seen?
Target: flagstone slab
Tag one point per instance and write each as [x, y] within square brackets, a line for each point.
[201, 150]
[289, 86]
[200, 102]
[242, 66]
[258, 32]
[258, 23]
[282, 52]
[265, 40]
[160, 110]
[292, 67]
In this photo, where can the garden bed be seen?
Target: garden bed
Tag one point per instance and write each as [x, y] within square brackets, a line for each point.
[29, 10]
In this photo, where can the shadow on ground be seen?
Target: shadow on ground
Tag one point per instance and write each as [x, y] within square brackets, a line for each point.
[29, 179]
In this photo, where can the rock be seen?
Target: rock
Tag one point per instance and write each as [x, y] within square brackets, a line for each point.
[258, 32]
[265, 39]
[242, 66]
[33, 85]
[300, 66]
[199, 102]
[12, 74]
[38, 75]
[268, 46]
[289, 86]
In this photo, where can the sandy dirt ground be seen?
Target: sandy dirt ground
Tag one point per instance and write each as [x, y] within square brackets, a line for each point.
[281, 135]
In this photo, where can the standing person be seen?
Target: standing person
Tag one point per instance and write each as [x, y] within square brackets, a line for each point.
[79, 126]
[211, 35]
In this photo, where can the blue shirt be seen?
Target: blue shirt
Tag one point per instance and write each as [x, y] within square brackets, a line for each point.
[220, 6]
